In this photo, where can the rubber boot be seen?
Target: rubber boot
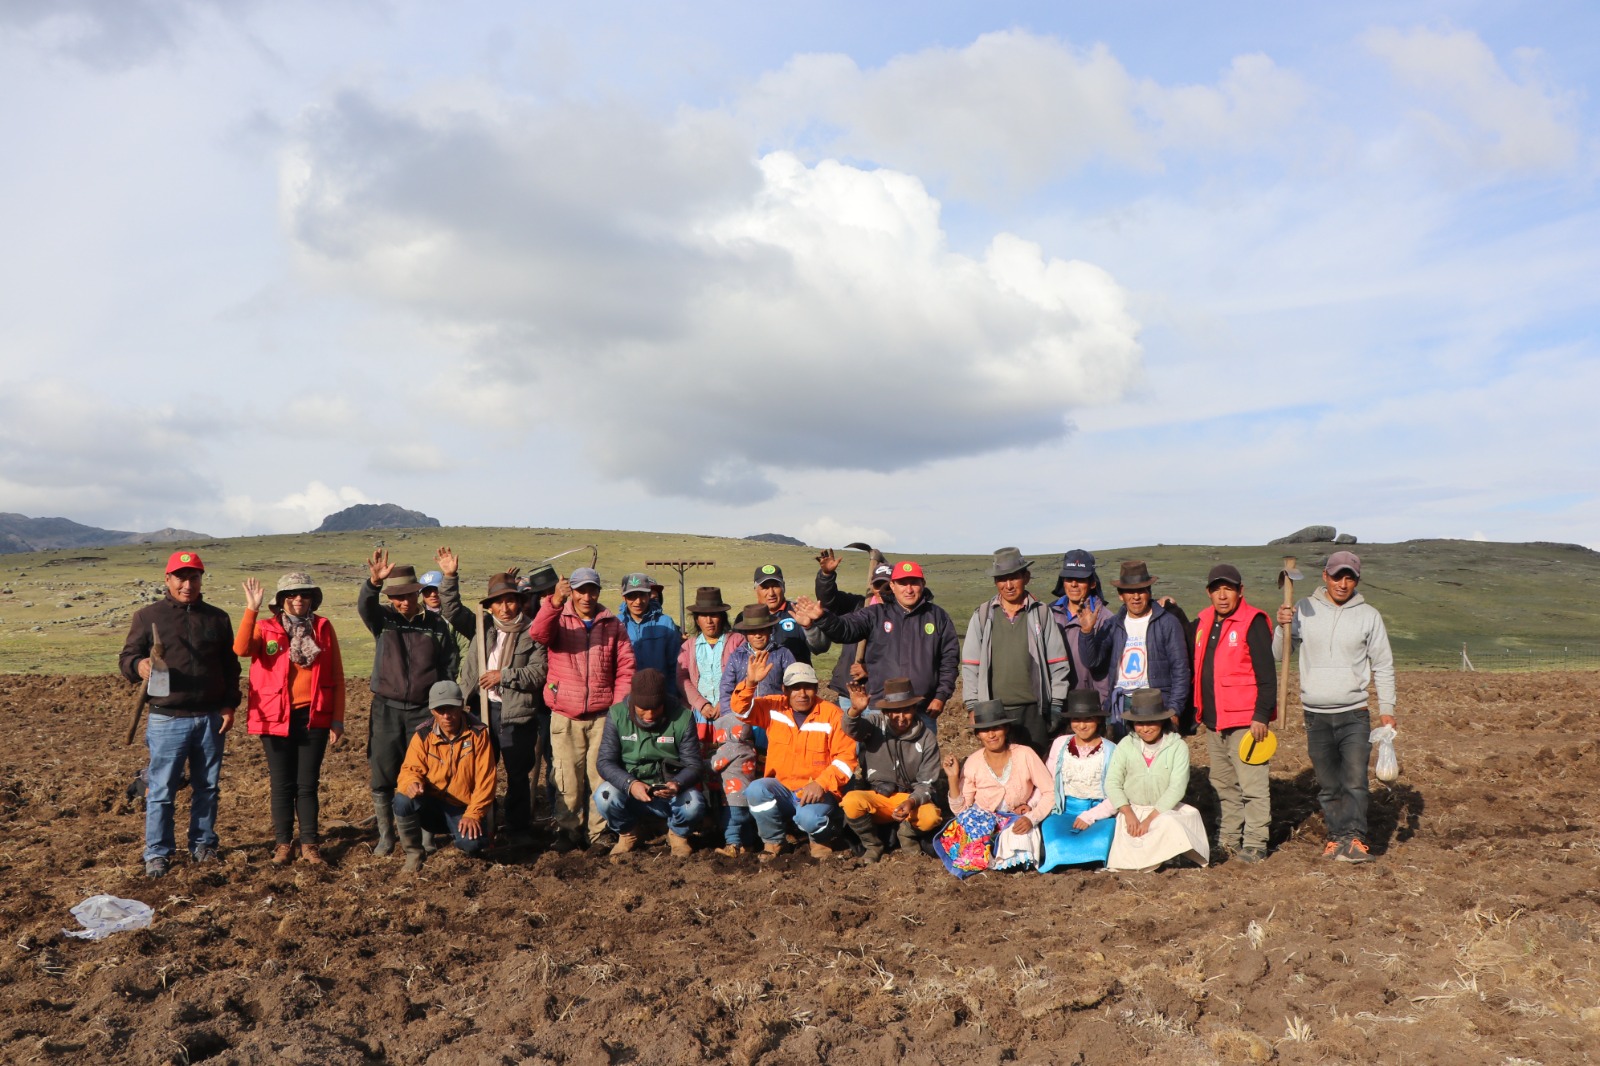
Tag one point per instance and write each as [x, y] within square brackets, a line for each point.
[383, 808]
[867, 833]
[910, 838]
[410, 833]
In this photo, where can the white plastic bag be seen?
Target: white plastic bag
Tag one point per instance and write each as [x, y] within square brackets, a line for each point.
[101, 916]
[1388, 761]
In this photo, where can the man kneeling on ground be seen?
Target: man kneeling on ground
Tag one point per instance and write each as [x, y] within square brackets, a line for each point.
[650, 759]
[899, 753]
[446, 784]
[810, 758]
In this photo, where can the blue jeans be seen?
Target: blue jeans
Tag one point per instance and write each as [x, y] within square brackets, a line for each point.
[775, 808]
[175, 742]
[621, 810]
[437, 816]
[1339, 750]
[735, 822]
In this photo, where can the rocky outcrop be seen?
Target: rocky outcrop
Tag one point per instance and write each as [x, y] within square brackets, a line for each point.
[777, 538]
[375, 516]
[1309, 535]
[1345, 538]
[19, 533]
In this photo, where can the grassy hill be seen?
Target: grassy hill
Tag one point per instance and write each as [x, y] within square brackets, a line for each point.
[67, 611]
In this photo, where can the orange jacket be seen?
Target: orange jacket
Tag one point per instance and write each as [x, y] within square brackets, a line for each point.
[819, 750]
[459, 771]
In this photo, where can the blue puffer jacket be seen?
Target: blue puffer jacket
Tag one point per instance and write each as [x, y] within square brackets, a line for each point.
[655, 639]
[1170, 659]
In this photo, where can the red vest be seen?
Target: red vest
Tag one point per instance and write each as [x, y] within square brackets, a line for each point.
[1233, 675]
[270, 695]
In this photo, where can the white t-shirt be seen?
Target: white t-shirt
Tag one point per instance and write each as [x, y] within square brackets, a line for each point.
[1134, 669]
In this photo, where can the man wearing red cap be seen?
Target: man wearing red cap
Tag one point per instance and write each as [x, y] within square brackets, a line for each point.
[192, 703]
[907, 636]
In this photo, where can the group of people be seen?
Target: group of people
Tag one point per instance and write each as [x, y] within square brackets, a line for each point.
[1080, 713]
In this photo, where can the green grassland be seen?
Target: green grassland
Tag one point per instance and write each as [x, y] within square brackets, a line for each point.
[67, 611]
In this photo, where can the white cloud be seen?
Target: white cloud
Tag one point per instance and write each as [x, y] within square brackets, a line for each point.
[829, 532]
[1483, 114]
[1013, 110]
[750, 296]
[296, 512]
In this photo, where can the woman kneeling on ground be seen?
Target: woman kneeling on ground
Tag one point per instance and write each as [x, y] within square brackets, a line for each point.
[995, 796]
[1079, 831]
[296, 702]
[1148, 777]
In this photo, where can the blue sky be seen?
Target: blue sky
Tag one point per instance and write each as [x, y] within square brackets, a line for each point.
[940, 276]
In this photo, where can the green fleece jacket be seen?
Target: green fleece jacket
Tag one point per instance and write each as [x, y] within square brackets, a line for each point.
[1160, 785]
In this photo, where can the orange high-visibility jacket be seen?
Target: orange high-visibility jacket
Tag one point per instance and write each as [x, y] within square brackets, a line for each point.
[819, 750]
[459, 771]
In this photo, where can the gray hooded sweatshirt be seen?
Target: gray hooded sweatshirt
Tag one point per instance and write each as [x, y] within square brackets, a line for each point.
[1342, 649]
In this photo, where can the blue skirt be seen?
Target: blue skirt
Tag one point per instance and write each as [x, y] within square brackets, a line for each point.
[1066, 846]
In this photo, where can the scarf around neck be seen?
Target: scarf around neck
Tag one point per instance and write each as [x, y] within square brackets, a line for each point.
[303, 650]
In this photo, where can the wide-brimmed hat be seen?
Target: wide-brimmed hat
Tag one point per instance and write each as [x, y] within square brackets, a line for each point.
[1145, 706]
[1076, 564]
[296, 581]
[1008, 561]
[754, 618]
[1134, 575]
[500, 585]
[540, 579]
[1083, 703]
[402, 581]
[990, 714]
[898, 695]
[708, 600]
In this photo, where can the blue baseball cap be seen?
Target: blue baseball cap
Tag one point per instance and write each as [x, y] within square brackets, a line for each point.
[584, 575]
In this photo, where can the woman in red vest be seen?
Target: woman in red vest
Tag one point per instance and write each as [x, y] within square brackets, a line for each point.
[296, 702]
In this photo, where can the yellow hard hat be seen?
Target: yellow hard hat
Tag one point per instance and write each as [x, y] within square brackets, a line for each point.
[1255, 752]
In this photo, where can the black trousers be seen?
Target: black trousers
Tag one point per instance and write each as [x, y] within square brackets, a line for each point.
[294, 765]
[389, 731]
[518, 747]
[1033, 722]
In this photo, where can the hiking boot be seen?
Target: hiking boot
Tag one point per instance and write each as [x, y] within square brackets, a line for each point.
[867, 833]
[566, 840]
[1331, 849]
[733, 851]
[626, 842]
[383, 811]
[409, 830]
[157, 867]
[679, 846]
[771, 851]
[311, 856]
[1355, 851]
[822, 852]
[1251, 855]
[205, 853]
[283, 855]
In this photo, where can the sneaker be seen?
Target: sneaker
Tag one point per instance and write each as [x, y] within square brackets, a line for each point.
[1251, 855]
[1331, 849]
[205, 853]
[283, 855]
[157, 867]
[1355, 851]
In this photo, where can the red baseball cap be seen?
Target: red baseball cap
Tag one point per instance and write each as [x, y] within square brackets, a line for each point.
[185, 560]
[905, 570]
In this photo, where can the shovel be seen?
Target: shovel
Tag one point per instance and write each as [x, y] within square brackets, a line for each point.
[1286, 579]
[159, 682]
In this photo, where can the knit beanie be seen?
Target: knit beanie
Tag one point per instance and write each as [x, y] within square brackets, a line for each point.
[649, 690]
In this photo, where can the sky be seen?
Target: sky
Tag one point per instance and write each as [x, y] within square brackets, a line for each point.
[944, 277]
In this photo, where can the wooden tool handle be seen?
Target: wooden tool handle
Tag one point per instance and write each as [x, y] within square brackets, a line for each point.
[1288, 644]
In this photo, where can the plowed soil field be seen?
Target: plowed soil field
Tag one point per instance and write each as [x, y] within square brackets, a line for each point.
[1473, 939]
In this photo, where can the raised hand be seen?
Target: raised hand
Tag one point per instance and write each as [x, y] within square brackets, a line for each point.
[951, 766]
[760, 667]
[562, 593]
[827, 561]
[448, 563]
[379, 566]
[858, 698]
[806, 611]
[253, 594]
[1085, 617]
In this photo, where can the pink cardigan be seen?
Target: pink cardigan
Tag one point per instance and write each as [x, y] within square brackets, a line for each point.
[1029, 783]
[689, 671]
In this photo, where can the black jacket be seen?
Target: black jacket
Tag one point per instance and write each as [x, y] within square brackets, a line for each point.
[197, 643]
[409, 655]
[919, 644]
